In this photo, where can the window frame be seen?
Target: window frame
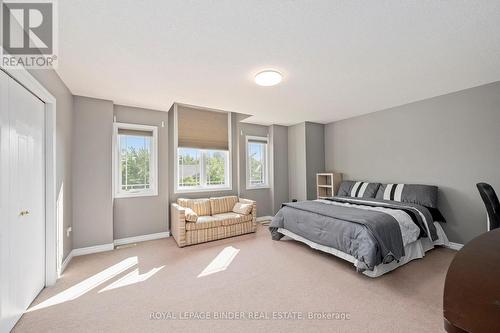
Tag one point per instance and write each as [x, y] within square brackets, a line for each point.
[229, 162]
[266, 184]
[153, 163]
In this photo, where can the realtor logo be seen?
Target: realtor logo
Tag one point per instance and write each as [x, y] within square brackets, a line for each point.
[29, 34]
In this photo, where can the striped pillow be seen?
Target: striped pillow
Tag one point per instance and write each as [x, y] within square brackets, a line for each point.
[392, 192]
[424, 195]
[357, 189]
[190, 215]
[242, 208]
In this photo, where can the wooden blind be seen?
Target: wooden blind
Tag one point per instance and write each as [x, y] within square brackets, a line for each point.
[202, 129]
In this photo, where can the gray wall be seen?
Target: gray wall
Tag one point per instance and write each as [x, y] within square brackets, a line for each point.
[92, 178]
[144, 215]
[64, 128]
[306, 157]
[452, 141]
[279, 152]
[315, 156]
[297, 176]
[262, 196]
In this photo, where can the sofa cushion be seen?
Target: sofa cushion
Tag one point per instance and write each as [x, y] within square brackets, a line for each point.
[199, 206]
[204, 222]
[223, 204]
[232, 218]
[190, 215]
[242, 208]
[206, 235]
[224, 219]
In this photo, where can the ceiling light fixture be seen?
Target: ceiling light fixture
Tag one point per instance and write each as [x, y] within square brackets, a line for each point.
[268, 78]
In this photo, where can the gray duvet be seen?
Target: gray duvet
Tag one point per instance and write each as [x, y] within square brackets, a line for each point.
[372, 237]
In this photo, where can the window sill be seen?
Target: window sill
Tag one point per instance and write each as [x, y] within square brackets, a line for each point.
[135, 195]
[263, 187]
[204, 189]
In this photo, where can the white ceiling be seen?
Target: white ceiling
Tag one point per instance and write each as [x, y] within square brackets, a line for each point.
[339, 58]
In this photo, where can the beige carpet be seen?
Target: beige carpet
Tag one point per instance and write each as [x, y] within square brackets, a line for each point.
[265, 276]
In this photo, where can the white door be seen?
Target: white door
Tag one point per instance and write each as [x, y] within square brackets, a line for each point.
[24, 267]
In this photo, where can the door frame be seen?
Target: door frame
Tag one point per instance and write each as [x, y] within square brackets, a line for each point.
[22, 76]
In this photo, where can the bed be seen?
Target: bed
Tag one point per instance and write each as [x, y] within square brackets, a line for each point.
[377, 227]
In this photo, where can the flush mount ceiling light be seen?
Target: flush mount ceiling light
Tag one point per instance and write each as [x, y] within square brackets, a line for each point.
[268, 78]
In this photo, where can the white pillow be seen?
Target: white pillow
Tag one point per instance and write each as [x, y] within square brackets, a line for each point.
[242, 208]
[190, 215]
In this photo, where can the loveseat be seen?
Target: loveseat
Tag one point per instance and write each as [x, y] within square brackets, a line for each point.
[195, 221]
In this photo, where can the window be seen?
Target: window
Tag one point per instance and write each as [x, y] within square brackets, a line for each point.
[200, 169]
[257, 162]
[216, 167]
[189, 167]
[202, 141]
[135, 160]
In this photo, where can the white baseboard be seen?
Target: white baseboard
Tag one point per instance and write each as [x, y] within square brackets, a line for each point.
[66, 261]
[454, 246]
[143, 238]
[93, 249]
[83, 251]
[108, 247]
[264, 219]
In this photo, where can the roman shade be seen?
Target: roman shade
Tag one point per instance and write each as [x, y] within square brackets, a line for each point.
[125, 131]
[202, 129]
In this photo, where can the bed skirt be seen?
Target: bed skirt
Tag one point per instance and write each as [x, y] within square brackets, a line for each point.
[415, 250]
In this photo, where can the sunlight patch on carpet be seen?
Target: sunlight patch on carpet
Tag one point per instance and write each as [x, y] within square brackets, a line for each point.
[132, 278]
[221, 262]
[86, 285]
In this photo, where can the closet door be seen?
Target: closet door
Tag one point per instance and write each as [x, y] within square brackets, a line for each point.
[25, 265]
[6, 312]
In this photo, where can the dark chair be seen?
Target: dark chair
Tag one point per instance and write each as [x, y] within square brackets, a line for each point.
[491, 202]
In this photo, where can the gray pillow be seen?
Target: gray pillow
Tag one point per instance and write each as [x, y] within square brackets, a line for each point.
[355, 189]
[424, 195]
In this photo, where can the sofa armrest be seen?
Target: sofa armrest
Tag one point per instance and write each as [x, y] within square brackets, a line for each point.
[178, 224]
[254, 208]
